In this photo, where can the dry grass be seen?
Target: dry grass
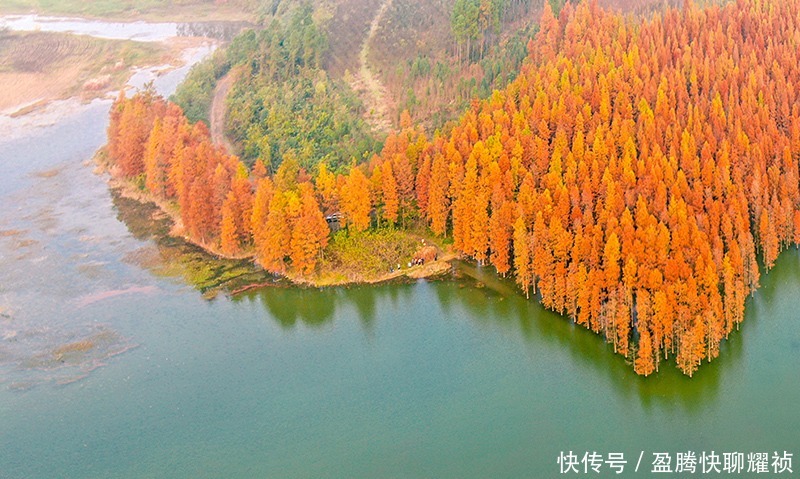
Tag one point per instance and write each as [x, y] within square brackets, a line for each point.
[415, 29]
[39, 67]
[368, 85]
[347, 30]
[76, 347]
[152, 10]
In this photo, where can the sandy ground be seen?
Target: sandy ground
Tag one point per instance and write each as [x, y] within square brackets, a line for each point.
[128, 10]
[38, 68]
[217, 116]
[22, 91]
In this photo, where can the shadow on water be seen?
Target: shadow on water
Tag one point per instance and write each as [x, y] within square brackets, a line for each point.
[493, 301]
[489, 299]
[315, 307]
[167, 256]
[498, 300]
[170, 257]
[366, 304]
[786, 270]
[669, 388]
[289, 306]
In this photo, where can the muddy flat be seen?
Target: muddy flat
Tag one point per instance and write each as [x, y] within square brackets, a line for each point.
[38, 67]
[134, 10]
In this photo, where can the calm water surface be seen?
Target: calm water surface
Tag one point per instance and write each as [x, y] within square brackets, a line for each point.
[461, 378]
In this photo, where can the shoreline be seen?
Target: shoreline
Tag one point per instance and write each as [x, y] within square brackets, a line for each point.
[438, 267]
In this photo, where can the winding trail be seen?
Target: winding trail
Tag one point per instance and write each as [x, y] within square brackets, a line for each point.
[368, 85]
[216, 117]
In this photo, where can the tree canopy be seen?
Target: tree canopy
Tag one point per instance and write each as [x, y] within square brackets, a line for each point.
[629, 177]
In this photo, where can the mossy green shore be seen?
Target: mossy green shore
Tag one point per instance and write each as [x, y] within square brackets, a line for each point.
[373, 256]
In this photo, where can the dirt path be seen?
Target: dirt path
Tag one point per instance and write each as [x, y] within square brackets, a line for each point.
[37, 68]
[217, 115]
[368, 85]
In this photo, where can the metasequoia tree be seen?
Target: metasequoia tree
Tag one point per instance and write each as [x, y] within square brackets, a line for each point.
[631, 175]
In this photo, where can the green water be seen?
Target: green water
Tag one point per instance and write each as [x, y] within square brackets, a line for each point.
[423, 380]
[460, 378]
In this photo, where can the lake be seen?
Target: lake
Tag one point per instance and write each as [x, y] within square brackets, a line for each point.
[113, 365]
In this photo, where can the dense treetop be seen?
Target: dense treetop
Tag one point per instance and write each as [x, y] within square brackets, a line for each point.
[283, 101]
[630, 176]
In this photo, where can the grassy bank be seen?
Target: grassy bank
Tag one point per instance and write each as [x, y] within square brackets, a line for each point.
[375, 256]
[372, 256]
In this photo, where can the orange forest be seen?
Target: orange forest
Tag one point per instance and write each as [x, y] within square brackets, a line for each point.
[630, 176]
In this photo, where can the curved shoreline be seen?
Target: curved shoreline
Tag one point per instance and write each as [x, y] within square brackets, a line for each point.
[431, 269]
